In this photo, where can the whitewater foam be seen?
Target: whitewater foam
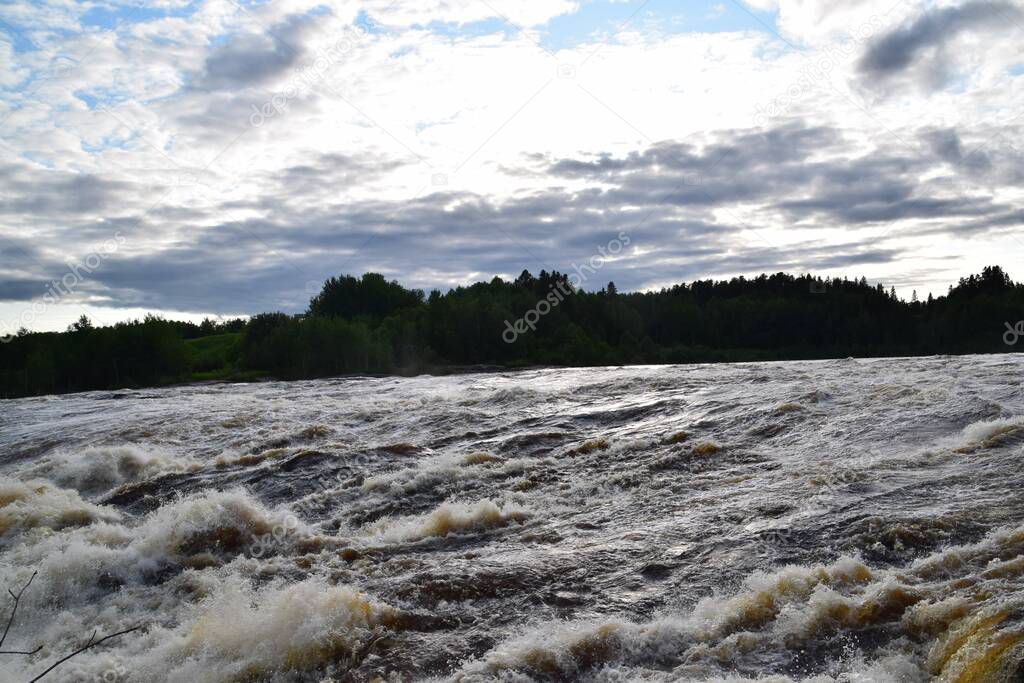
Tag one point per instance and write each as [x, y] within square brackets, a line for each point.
[450, 519]
[242, 633]
[989, 434]
[461, 527]
[98, 470]
[38, 504]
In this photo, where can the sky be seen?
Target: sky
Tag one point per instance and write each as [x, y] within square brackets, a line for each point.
[221, 158]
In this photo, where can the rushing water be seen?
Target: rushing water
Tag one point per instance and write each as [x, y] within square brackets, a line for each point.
[853, 520]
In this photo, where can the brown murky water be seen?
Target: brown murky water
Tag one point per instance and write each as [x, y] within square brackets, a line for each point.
[841, 520]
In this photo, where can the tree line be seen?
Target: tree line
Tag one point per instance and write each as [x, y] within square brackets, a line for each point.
[368, 324]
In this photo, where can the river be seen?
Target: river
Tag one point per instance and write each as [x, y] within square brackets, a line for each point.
[844, 520]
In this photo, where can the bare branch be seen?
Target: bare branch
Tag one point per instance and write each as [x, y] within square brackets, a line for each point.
[14, 610]
[92, 643]
[92, 639]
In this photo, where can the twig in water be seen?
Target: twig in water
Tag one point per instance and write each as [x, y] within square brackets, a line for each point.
[92, 643]
[10, 620]
[92, 639]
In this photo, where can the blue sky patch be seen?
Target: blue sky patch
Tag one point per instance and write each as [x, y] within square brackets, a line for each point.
[19, 40]
[599, 20]
[107, 18]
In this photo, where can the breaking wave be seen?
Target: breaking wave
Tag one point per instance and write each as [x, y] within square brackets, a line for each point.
[245, 634]
[38, 504]
[93, 471]
[451, 519]
[991, 434]
[962, 605]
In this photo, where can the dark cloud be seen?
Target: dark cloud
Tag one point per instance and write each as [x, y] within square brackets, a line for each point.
[921, 46]
[986, 224]
[778, 169]
[12, 289]
[17, 252]
[879, 209]
[326, 171]
[31, 191]
[691, 210]
[945, 143]
[255, 58]
[991, 159]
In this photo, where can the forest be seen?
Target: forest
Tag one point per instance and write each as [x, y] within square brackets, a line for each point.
[370, 325]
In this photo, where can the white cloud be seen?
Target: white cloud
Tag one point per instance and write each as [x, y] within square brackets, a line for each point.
[814, 22]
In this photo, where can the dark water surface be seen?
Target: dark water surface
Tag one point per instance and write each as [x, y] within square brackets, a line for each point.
[850, 520]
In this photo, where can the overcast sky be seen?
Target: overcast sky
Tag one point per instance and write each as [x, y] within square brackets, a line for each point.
[214, 157]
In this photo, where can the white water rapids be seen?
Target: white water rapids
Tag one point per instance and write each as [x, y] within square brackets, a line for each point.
[847, 520]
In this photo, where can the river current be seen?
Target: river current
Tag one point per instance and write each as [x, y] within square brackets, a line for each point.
[844, 520]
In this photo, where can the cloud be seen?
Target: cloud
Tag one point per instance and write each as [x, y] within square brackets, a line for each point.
[255, 58]
[823, 22]
[992, 157]
[806, 173]
[692, 209]
[14, 289]
[56, 195]
[922, 47]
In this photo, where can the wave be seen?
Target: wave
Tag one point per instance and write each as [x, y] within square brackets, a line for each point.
[214, 526]
[219, 628]
[567, 533]
[98, 470]
[961, 604]
[990, 434]
[440, 470]
[425, 474]
[450, 519]
[38, 504]
[272, 633]
[203, 531]
[248, 459]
